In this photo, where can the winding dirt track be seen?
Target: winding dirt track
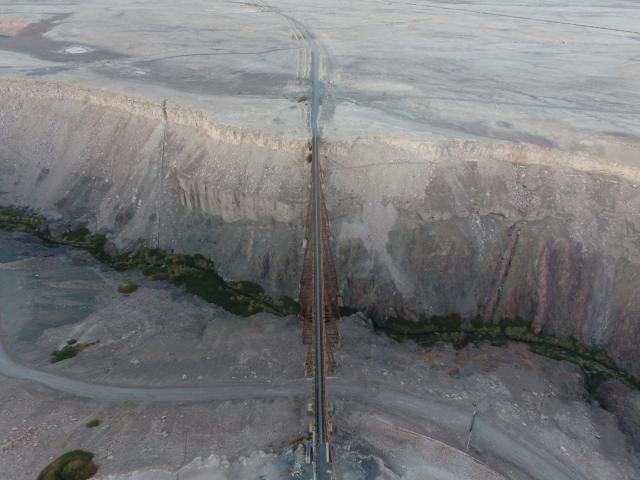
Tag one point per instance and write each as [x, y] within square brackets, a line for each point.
[531, 459]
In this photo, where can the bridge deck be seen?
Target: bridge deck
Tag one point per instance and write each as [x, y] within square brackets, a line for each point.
[319, 298]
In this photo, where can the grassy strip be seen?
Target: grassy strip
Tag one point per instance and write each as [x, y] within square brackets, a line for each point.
[595, 363]
[13, 219]
[75, 465]
[196, 273]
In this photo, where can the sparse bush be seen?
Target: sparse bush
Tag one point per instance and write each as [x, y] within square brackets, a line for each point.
[93, 423]
[427, 331]
[158, 276]
[127, 287]
[458, 339]
[68, 351]
[14, 219]
[76, 236]
[517, 333]
[75, 465]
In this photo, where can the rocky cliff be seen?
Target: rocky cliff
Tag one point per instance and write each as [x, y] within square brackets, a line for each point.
[420, 227]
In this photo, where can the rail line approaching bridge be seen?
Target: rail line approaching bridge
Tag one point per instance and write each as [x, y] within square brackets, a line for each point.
[319, 297]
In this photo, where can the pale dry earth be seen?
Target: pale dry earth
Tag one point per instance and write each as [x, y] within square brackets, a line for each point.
[402, 411]
[481, 158]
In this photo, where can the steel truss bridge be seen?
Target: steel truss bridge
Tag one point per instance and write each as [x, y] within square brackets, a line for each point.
[319, 299]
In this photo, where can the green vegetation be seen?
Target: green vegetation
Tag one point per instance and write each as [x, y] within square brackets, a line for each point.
[302, 99]
[127, 287]
[196, 273]
[68, 351]
[13, 219]
[22, 220]
[76, 465]
[93, 423]
[77, 236]
[596, 365]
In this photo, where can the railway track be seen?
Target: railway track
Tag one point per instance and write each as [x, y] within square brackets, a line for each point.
[319, 297]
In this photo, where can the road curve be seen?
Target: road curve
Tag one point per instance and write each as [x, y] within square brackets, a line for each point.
[531, 459]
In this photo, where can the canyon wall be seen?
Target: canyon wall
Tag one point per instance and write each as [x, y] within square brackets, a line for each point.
[433, 227]
[156, 175]
[491, 230]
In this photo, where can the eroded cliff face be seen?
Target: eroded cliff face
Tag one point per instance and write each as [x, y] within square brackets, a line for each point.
[496, 230]
[490, 230]
[156, 175]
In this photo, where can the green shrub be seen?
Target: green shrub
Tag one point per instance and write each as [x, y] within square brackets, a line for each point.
[476, 322]
[428, 341]
[14, 219]
[93, 423]
[77, 236]
[98, 243]
[68, 351]
[75, 465]
[427, 331]
[498, 342]
[425, 325]
[249, 288]
[458, 339]
[520, 333]
[158, 276]
[127, 287]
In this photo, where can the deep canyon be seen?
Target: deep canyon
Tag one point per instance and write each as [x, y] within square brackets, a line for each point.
[478, 228]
